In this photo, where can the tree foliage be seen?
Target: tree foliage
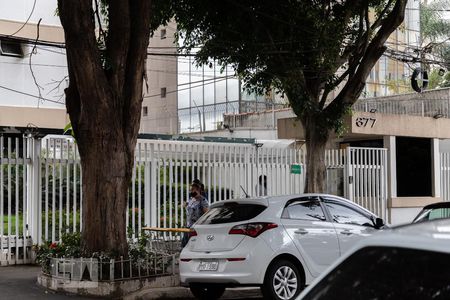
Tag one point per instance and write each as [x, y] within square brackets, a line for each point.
[435, 30]
[302, 49]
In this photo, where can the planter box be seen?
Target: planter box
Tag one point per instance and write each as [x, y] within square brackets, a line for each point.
[108, 289]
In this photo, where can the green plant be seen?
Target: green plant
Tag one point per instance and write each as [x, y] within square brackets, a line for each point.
[70, 246]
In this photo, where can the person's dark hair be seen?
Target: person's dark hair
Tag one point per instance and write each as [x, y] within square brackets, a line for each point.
[196, 185]
[196, 181]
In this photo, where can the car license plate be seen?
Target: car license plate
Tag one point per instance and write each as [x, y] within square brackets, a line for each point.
[209, 265]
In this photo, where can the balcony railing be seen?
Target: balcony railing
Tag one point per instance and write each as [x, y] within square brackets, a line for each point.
[436, 108]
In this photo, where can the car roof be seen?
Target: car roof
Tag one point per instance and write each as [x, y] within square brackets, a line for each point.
[432, 236]
[445, 204]
[428, 236]
[274, 200]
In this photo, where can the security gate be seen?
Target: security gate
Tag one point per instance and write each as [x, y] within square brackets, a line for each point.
[366, 178]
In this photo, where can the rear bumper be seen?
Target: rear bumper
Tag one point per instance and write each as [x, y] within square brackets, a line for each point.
[250, 271]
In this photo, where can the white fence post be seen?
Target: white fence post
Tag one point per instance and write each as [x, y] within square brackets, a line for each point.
[349, 179]
[34, 192]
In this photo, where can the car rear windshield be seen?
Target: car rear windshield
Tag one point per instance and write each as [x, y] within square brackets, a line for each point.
[230, 213]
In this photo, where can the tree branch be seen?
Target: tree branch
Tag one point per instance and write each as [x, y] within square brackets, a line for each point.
[88, 92]
[117, 44]
[352, 89]
[140, 17]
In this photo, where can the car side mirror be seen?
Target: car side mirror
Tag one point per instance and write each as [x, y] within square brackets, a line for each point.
[379, 223]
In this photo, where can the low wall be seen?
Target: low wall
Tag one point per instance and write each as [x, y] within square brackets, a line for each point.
[107, 289]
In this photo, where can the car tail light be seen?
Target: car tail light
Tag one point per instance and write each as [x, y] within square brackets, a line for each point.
[192, 233]
[252, 229]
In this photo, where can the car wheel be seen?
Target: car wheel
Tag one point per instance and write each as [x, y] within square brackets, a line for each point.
[205, 291]
[282, 282]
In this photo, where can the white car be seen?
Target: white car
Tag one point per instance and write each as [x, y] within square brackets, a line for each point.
[409, 262]
[279, 243]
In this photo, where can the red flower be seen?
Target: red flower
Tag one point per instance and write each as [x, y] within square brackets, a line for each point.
[53, 246]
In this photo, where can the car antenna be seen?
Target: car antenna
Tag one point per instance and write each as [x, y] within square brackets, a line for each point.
[246, 195]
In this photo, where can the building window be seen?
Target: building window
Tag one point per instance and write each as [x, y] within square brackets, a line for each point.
[163, 34]
[145, 111]
[163, 92]
[11, 48]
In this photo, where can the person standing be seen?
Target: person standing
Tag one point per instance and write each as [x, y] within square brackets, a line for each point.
[261, 187]
[195, 207]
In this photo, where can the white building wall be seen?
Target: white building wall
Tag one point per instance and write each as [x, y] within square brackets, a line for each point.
[48, 63]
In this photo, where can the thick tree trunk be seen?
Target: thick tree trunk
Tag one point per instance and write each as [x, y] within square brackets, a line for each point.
[106, 179]
[104, 104]
[316, 140]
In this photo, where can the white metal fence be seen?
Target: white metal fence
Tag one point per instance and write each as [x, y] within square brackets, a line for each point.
[366, 180]
[445, 176]
[41, 180]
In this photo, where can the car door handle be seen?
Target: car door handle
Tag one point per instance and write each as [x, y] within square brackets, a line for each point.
[346, 232]
[301, 231]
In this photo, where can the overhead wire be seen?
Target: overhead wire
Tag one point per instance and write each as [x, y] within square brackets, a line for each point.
[26, 21]
[30, 95]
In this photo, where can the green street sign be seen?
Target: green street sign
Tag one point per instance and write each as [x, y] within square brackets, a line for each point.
[296, 169]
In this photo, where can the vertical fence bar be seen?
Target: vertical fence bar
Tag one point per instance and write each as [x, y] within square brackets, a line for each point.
[147, 186]
[46, 189]
[25, 187]
[68, 186]
[2, 213]
[81, 196]
[177, 203]
[74, 204]
[140, 187]
[16, 202]
[154, 187]
[53, 166]
[61, 219]
[171, 151]
[9, 199]
[133, 200]
[183, 200]
[164, 185]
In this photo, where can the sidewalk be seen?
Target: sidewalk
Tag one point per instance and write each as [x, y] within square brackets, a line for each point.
[19, 282]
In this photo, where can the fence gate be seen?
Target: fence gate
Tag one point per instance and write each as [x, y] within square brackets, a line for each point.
[366, 178]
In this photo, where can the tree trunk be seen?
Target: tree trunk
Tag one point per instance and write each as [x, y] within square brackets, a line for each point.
[106, 168]
[104, 101]
[316, 140]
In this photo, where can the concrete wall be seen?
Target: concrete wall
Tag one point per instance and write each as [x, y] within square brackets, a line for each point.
[162, 73]
[398, 125]
[364, 125]
[36, 117]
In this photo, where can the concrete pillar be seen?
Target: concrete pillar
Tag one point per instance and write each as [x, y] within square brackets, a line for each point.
[435, 168]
